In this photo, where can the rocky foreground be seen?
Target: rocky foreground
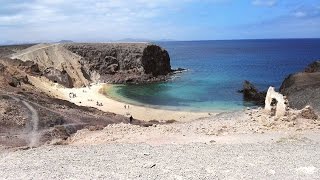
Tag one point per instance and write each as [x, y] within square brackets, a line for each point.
[239, 145]
[283, 160]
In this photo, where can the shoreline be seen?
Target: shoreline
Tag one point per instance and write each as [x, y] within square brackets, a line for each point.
[124, 100]
[89, 96]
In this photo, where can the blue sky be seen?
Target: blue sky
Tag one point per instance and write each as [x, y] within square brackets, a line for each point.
[103, 20]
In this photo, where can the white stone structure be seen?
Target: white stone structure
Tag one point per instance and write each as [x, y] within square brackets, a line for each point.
[281, 102]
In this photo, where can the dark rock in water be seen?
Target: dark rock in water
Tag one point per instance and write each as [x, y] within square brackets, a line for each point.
[251, 94]
[155, 61]
[178, 70]
[123, 62]
[303, 88]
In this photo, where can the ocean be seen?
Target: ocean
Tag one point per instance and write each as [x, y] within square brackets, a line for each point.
[216, 71]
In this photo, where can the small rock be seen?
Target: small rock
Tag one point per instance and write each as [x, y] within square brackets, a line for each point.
[308, 113]
[149, 165]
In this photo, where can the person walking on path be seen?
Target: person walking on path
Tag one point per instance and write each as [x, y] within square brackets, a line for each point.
[130, 119]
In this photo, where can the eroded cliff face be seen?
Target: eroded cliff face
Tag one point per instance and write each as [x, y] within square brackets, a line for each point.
[122, 62]
[56, 63]
[78, 64]
[56, 119]
[303, 88]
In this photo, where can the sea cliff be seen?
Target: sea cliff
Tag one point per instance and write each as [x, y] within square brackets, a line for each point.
[79, 64]
[303, 88]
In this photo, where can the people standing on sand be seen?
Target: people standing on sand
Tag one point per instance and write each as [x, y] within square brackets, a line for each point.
[130, 119]
[99, 104]
[125, 106]
[128, 106]
[72, 95]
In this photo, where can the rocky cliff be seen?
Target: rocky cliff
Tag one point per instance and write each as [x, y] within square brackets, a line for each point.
[57, 119]
[303, 88]
[122, 62]
[76, 65]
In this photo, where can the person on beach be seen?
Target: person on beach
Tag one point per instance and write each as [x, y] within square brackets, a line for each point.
[125, 106]
[130, 119]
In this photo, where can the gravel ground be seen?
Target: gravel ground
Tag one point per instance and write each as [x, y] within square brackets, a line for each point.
[286, 160]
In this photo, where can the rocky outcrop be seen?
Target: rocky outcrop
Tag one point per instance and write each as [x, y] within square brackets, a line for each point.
[308, 113]
[78, 64]
[14, 72]
[122, 62]
[251, 94]
[303, 88]
[56, 62]
[313, 67]
[276, 102]
[61, 77]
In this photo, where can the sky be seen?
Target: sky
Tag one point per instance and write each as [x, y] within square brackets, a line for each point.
[105, 20]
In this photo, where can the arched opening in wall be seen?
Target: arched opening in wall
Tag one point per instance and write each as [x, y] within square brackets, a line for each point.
[273, 105]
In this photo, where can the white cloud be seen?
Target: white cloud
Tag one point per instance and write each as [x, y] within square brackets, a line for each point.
[267, 3]
[38, 11]
[104, 19]
[300, 14]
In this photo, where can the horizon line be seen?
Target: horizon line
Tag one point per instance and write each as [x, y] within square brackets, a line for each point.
[139, 40]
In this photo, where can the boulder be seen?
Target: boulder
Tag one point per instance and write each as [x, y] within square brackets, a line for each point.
[251, 94]
[16, 81]
[308, 113]
[61, 77]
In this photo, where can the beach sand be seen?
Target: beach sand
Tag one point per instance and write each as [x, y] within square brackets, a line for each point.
[90, 96]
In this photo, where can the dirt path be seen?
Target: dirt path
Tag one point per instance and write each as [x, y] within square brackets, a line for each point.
[33, 134]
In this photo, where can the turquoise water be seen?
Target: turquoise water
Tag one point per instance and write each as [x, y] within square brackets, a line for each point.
[216, 70]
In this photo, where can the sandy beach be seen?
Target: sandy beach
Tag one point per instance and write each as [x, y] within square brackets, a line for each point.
[90, 96]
